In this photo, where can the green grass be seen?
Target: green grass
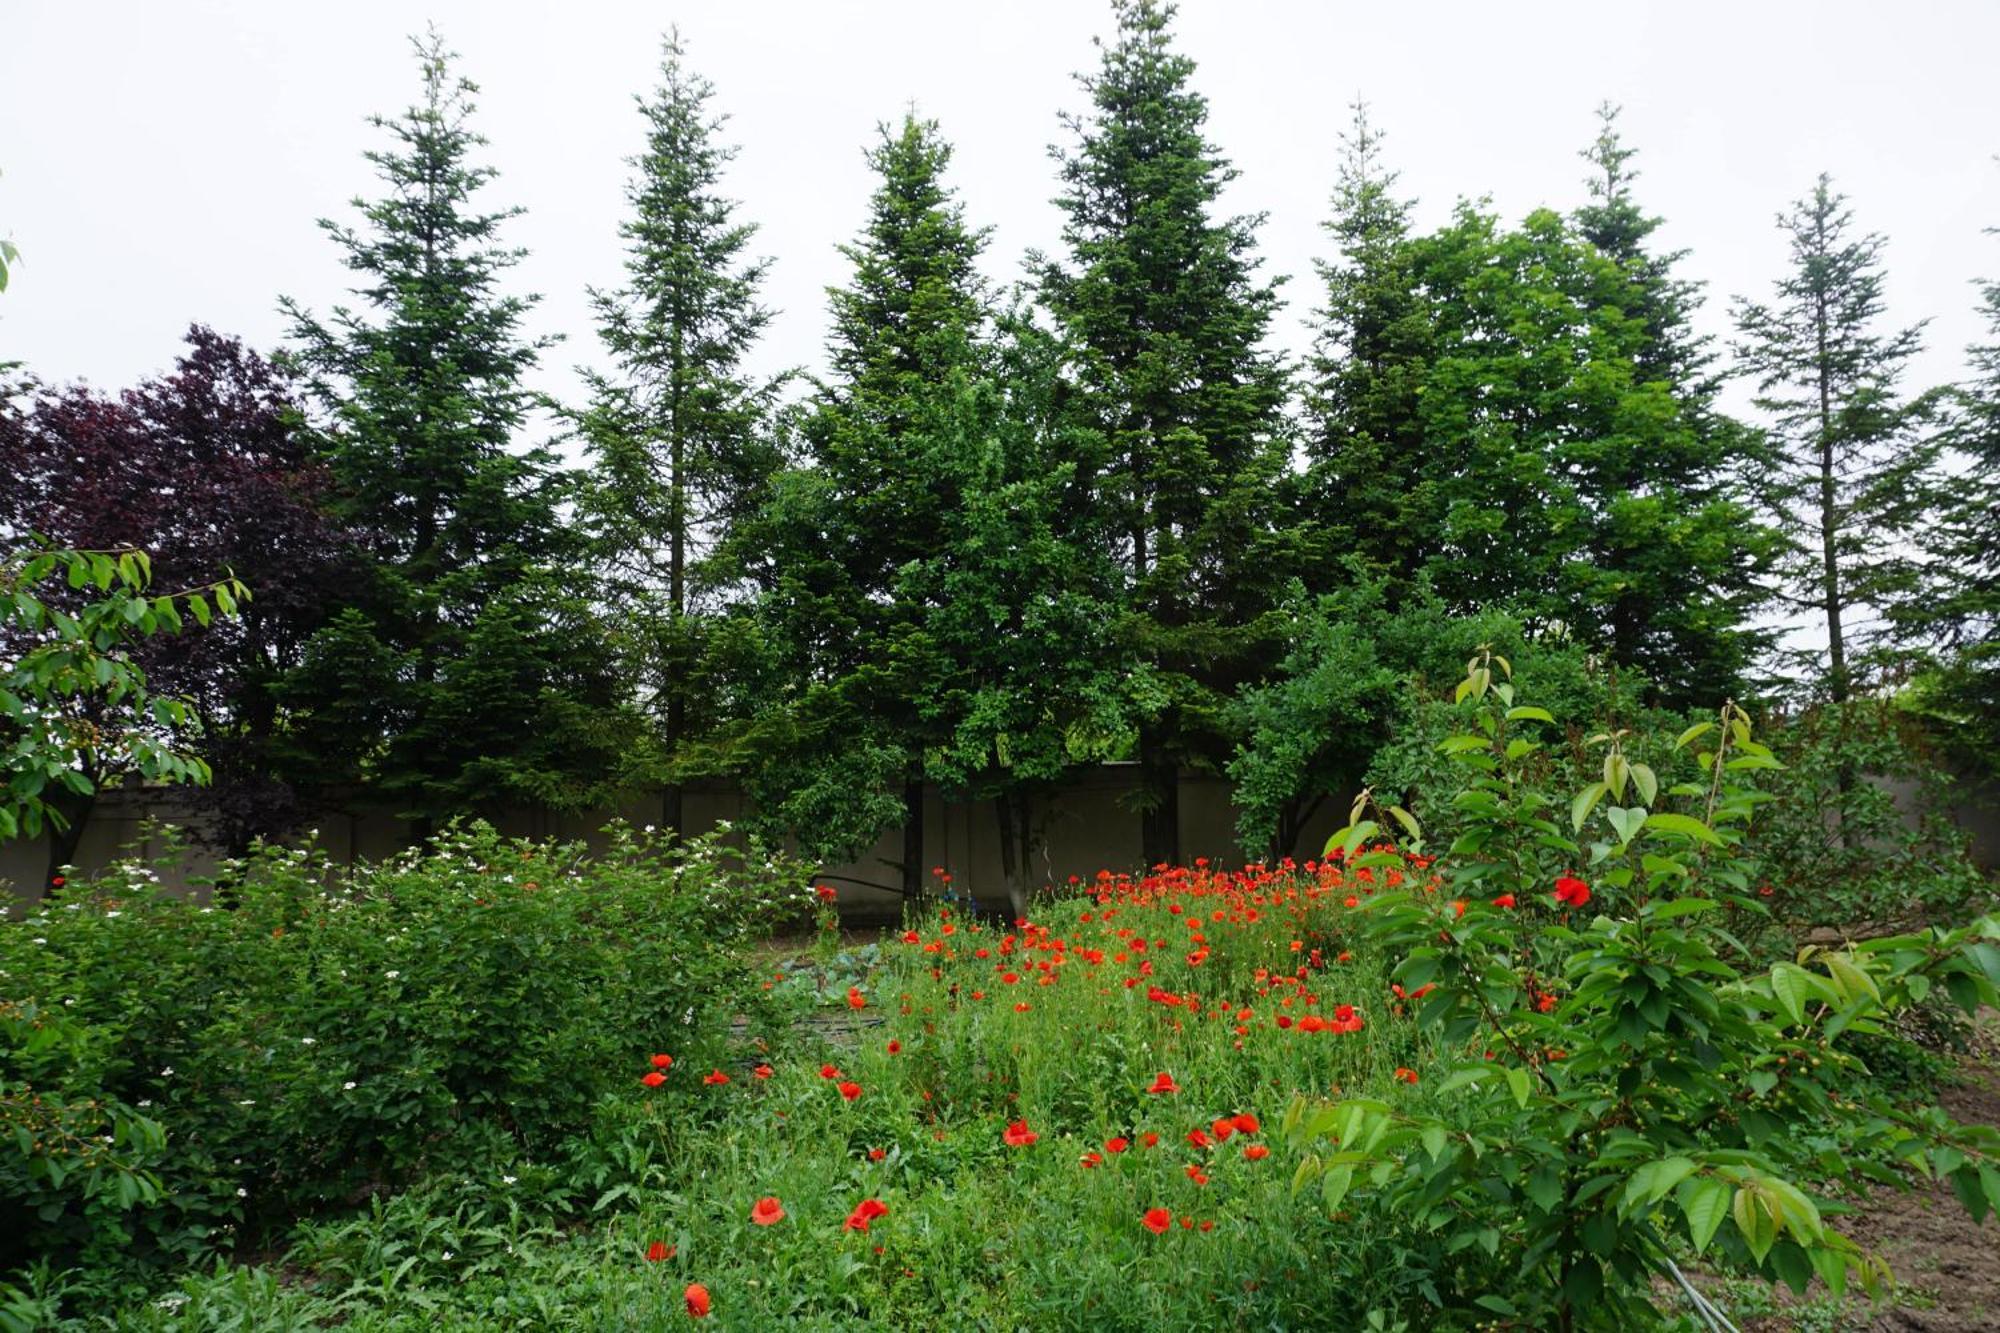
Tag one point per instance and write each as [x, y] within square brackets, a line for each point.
[1186, 974]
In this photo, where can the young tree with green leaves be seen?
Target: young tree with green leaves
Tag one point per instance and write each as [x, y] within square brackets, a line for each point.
[677, 435]
[466, 614]
[1161, 301]
[1846, 455]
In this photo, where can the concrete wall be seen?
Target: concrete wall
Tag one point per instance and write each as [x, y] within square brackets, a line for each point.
[1085, 827]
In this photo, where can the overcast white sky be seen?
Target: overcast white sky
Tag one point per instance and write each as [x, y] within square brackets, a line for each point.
[163, 161]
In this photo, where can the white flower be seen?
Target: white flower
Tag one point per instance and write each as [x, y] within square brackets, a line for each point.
[248, 1101]
[109, 915]
[507, 1180]
[242, 1193]
[309, 1041]
[447, 1256]
[348, 1086]
[40, 940]
[146, 1103]
[392, 975]
[168, 1072]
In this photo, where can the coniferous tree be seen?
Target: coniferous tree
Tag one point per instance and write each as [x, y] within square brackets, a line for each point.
[1678, 555]
[1955, 606]
[879, 483]
[1846, 455]
[1370, 481]
[465, 669]
[677, 435]
[1161, 300]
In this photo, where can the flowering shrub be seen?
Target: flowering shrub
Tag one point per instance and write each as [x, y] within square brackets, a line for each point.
[336, 1033]
[1623, 1083]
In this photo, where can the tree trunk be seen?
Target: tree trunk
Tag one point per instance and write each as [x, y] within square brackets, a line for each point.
[64, 841]
[913, 838]
[1012, 810]
[1159, 785]
[670, 810]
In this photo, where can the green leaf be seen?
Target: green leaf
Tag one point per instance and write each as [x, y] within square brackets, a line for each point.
[1333, 1185]
[1586, 800]
[1668, 822]
[1529, 713]
[1433, 1139]
[1518, 1081]
[1626, 820]
[1647, 782]
[1704, 1201]
[1408, 821]
[1792, 988]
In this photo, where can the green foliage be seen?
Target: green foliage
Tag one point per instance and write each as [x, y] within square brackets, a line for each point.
[1848, 465]
[333, 1034]
[75, 711]
[1624, 1083]
[678, 437]
[1161, 302]
[422, 401]
[1866, 852]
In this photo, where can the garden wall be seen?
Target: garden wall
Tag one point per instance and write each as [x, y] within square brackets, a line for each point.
[1089, 825]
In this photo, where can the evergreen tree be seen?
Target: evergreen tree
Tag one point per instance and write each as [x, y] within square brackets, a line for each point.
[677, 435]
[881, 476]
[1678, 554]
[1370, 486]
[461, 617]
[1161, 300]
[1846, 456]
[1955, 606]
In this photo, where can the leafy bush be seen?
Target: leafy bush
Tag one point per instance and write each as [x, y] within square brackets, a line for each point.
[1839, 846]
[330, 1034]
[1626, 1083]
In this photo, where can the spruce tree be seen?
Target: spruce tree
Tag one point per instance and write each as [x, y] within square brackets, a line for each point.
[1160, 298]
[1676, 556]
[676, 434]
[1845, 452]
[877, 486]
[470, 637]
[1370, 481]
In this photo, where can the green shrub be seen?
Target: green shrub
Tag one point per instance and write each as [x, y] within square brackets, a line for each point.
[1630, 1083]
[332, 1034]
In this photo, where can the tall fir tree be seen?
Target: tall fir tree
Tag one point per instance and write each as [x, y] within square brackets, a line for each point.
[1369, 480]
[466, 668]
[1672, 534]
[1161, 299]
[677, 434]
[879, 483]
[1954, 607]
[1846, 451]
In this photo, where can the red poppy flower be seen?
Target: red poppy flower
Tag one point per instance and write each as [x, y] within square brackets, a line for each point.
[1222, 1128]
[696, 1297]
[659, 1251]
[850, 1090]
[1256, 1152]
[1116, 1145]
[1504, 900]
[1197, 1175]
[1018, 1135]
[767, 1211]
[1407, 1075]
[1571, 891]
[827, 893]
[895, 1047]
[1159, 1221]
[714, 1077]
[1149, 1140]
[1208, 1224]
[1090, 1159]
[865, 1212]
[1245, 1123]
[1164, 1082]
[828, 1071]
[1197, 1138]
[911, 937]
[763, 1071]
[855, 999]
[663, 1062]
[654, 1079]
[876, 1154]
